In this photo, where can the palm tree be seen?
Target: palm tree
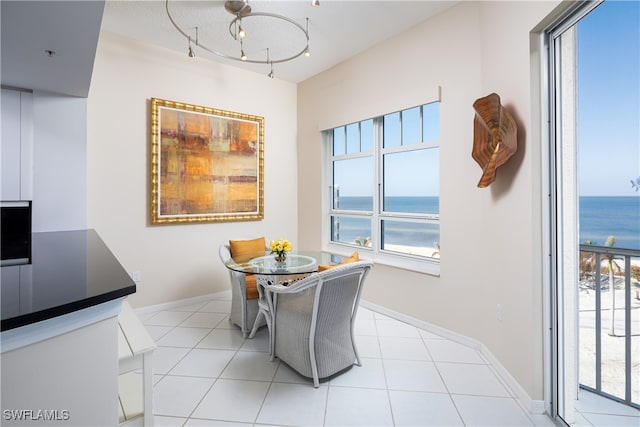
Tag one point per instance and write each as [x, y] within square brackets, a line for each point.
[363, 241]
[437, 251]
[587, 262]
[611, 240]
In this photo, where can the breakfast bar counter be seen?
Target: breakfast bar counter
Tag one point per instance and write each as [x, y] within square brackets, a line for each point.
[69, 271]
[59, 342]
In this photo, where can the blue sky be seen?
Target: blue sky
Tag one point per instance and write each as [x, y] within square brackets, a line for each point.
[609, 99]
[608, 113]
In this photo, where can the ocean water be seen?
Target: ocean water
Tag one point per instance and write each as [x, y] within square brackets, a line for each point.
[600, 217]
[395, 204]
[402, 233]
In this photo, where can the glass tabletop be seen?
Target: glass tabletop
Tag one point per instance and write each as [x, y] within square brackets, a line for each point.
[297, 262]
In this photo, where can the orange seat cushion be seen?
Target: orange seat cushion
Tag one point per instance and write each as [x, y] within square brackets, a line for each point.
[353, 258]
[252, 286]
[243, 251]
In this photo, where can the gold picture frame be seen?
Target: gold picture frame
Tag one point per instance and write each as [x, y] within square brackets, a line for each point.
[207, 165]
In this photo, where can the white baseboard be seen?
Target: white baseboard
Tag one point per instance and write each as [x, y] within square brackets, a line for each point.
[446, 333]
[532, 406]
[525, 401]
[223, 295]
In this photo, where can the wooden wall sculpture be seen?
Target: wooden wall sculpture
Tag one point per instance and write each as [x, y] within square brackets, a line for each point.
[494, 137]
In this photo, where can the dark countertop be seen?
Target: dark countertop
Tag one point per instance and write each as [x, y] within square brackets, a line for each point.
[69, 271]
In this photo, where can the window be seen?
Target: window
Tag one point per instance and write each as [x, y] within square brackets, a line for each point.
[384, 179]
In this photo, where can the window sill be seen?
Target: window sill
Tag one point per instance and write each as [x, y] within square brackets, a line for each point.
[408, 263]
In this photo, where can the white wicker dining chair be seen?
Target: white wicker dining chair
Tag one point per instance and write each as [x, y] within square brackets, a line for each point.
[314, 321]
[243, 310]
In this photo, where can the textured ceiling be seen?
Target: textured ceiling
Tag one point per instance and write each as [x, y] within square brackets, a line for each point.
[337, 29]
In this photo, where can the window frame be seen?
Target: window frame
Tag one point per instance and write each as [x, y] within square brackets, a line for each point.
[377, 215]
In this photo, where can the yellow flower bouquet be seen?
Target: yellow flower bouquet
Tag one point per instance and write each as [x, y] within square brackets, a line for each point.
[280, 248]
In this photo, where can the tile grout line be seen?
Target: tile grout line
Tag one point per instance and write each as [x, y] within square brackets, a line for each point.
[221, 371]
[384, 371]
[435, 365]
[264, 399]
[215, 380]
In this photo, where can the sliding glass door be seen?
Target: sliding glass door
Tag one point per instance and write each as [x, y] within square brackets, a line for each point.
[564, 210]
[594, 75]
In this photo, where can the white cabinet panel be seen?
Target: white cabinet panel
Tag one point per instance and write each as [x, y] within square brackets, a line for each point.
[10, 145]
[16, 296]
[26, 146]
[17, 145]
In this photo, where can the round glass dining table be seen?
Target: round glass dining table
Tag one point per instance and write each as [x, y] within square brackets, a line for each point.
[297, 262]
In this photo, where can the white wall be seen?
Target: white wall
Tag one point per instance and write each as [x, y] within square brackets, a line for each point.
[59, 162]
[177, 261]
[490, 238]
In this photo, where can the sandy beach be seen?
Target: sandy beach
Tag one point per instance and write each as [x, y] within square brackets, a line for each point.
[431, 252]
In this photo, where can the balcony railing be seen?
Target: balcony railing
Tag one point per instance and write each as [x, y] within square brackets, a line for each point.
[609, 322]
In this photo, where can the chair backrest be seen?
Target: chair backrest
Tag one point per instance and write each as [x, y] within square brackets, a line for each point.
[224, 252]
[339, 297]
[331, 296]
[318, 312]
[242, 283]
[358, 269]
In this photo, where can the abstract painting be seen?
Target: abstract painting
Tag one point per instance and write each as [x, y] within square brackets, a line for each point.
[206, 164]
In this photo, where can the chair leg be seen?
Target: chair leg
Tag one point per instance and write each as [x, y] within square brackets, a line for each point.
[272, 337]
[353, 344]
[312, 357]
[257, 322]
[271, 324]
[355, 351]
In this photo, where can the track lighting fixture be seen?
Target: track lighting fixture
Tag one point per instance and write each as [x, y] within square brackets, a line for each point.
[243, 16]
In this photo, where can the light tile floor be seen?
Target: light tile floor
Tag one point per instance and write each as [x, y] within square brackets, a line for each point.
[207, 374]
[594, 410]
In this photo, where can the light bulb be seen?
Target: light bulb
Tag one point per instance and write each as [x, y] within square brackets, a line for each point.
[190, 52]
[271, 72]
